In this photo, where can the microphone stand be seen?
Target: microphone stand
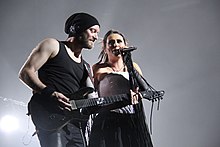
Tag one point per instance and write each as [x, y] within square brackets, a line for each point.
[134, 84]
[129, 63]
[140, 122]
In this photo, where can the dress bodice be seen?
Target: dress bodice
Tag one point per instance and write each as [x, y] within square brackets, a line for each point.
[113, 84]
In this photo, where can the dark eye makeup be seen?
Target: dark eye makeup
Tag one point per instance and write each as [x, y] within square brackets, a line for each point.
[112, 42]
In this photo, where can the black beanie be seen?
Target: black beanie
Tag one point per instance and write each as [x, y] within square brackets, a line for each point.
[79, 22]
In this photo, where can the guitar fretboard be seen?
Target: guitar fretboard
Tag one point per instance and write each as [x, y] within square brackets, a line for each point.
[100, 101]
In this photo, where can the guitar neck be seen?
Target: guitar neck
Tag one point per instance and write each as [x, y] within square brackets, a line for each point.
[101, 101]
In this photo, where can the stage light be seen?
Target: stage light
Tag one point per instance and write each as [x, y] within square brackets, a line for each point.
[9, 123]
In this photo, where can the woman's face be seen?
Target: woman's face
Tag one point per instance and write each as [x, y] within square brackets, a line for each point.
[114, 42]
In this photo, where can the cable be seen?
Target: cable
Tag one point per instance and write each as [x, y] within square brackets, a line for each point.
[26, 134]
[20, 103]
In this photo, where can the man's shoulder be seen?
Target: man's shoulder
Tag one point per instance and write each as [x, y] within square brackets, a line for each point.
[49, 45]
[50, 41]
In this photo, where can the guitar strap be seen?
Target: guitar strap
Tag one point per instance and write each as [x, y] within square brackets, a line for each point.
[88, 68]
[89, 80]
[89, 83]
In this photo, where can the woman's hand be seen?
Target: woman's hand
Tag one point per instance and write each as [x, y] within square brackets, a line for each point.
[135, 96]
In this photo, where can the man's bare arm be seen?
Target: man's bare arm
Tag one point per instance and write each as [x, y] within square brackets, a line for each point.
[48, 48]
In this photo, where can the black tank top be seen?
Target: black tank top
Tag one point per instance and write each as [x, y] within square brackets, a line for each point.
[63, 73]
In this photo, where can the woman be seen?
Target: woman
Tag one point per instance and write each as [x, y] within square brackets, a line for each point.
[125, 126]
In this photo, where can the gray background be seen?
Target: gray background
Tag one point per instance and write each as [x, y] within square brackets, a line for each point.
[178, 50]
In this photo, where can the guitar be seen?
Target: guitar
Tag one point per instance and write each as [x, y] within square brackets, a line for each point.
[48, 116]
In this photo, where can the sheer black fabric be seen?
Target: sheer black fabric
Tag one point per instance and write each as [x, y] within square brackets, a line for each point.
[111, 129]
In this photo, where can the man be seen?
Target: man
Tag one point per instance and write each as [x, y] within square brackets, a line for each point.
[54, 70]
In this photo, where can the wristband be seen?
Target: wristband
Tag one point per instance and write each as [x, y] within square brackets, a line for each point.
[47, 91]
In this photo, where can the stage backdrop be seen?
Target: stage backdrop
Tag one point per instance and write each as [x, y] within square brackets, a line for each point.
[178, 45]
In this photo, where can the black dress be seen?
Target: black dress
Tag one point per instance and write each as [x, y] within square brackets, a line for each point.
[119, 127]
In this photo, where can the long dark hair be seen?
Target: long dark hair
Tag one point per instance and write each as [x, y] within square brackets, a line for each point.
[103, 56]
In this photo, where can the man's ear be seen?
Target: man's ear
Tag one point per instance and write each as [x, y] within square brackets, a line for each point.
[80, 37]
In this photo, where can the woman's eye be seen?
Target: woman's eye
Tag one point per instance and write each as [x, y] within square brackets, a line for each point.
[119, 41]
[111, 42]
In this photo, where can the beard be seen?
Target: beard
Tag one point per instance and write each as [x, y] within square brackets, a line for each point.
[84, 41]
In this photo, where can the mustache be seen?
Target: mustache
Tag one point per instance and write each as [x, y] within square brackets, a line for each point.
[94, 39]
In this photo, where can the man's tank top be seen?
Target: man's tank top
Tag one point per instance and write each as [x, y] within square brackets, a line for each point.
[63, 73]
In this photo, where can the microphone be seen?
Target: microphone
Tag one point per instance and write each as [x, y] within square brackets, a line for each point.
[116, 52]
[130, 49]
